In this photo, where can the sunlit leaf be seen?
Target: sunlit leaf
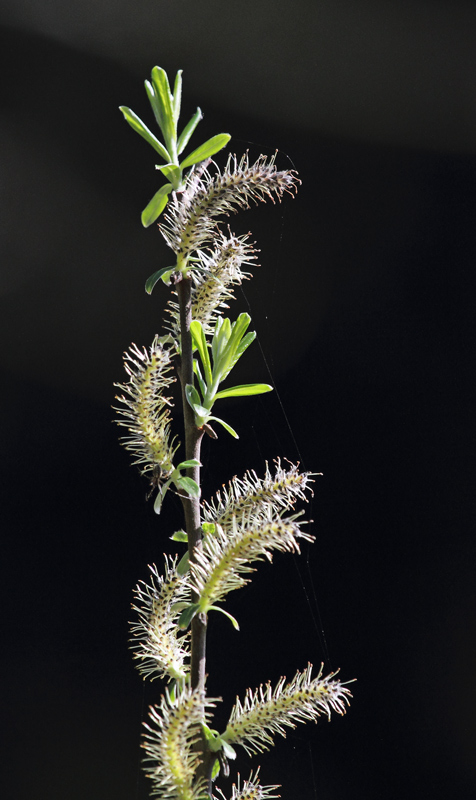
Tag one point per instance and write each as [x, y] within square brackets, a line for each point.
[192, 396]
[226, 426]
[136, 123]
[230, 616]
[154, 102]
[155, 207]
[177, 96]
[188, 130]
[162, 89]
[152, 280]
[244, 390]
[208, 528]
[200, 343]
[173, 173]
[188, 485]
[201, 382]
[228, 750]
[191, 462]
[179, 536]
[187, 615]
[184, 564]
[207, 149]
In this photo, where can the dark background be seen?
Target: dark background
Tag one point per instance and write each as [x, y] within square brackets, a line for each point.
[364, 306]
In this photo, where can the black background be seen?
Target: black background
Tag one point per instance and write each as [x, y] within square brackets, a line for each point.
[364, 307]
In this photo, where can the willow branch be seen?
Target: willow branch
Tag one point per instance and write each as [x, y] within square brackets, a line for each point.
[191, 505]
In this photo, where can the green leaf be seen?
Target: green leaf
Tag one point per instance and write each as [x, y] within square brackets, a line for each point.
[188, 130]
[171, 692]
[155, 207]
[194, 402]
[208, 528]
[152, 280]
[226, 426]
[207, 149]
[208, 733]
[244, 390]
[215, 769]
[187, 615]
[192, 395]
[201, 382]
[136, 124]
[177, 96]
[230, 616]
[175, 607]
[239, 328]
[221, 335]
[229, 355]
[160, 496]
[243, 345]
[228, 750]
[188, 485]
[184, 565]
[173, 173]
[161, 86]
[200, 343]
[191, 462]
[154, 102]
[166, 276]
[179, 536]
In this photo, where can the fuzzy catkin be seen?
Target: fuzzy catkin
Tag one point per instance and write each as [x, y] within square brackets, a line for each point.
[191, 220]
[145, 410]
[156, 643]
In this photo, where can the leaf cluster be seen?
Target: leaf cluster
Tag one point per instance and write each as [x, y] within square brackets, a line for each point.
[166, 108]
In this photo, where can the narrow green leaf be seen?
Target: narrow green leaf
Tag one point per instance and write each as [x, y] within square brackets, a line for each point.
[193, 399]
[173, 173]
[191, 462]
[160, 496]
[201, 382]
[244, 390]
[179, 606]
[239, 328]
[192, 395]
[226, 426]
[187, 615]
[207, 149]
[208, 733]
[160, 83]
[188, 130]
[179, 536]
[155, 103]
[188, 485]
[221, 334]
[136, 124]
[230, 616]
[243, 345]
[184, 565]
[228, 750]
[228, 355]
[171, 692]
[166, 276]
[177, 96]
[152, 280]
[155, 207]
[215, 769]
[200, 343]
